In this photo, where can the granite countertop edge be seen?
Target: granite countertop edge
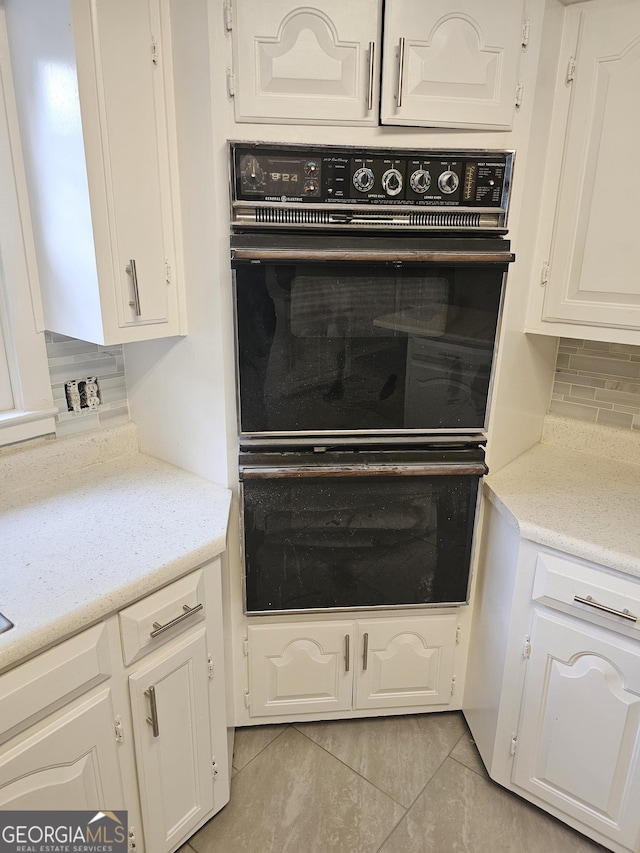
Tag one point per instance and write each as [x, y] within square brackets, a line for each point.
[566, 495]
[75, 550]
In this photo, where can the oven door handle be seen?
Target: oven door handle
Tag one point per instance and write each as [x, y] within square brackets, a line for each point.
[399, 256]
[444, 469]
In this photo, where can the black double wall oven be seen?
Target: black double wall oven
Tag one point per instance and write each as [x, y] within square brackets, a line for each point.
[368, 285]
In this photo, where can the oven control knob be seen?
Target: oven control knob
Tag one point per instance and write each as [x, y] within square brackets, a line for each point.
[448, 182]
[392, 182]
[311, 167]
[420, 181]
[252, 174]
[363, 179]
[310, 186]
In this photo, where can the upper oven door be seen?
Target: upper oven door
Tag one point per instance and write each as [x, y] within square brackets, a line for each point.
[376, 336]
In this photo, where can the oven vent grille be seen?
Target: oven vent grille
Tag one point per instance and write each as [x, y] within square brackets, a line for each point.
[371, 219]
[445, 220]
[293, 216]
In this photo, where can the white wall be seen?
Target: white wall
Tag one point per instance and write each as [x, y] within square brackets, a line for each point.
[181, 389]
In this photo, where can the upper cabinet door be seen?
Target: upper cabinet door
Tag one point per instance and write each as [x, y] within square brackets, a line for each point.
[93, 96]
[313, 64]
[592, 276]
[127, 165]
[451, 64]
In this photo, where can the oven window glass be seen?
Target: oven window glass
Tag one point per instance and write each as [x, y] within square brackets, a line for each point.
[348, 347]
[352, 541]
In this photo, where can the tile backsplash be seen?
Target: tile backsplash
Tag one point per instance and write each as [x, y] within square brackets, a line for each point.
[73, 359]
[597, 382]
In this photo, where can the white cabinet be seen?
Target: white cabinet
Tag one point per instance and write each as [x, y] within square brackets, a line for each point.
[300, 668]
[311, 64]
[176, 688]
[437, 64]
[553, 688]
[590, 264]
[405, 662]
[71, 762]
[578, 744]
[130, 714]
[57, 729]
[171, 719]
[93, 93]
[451, 64]
[318, 667]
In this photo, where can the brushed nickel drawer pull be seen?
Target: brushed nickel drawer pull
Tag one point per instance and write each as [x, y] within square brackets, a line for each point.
[188, 611]
[347, 641]
[135, 303]
[400, 73]
[624, 614]
[153, 719]
[365, 652]
[372, 62]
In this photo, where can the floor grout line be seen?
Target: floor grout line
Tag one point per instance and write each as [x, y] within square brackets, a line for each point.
[266, 746]
[408, 818]
[344, 764]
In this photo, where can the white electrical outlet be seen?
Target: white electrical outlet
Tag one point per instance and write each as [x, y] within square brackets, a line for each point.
[73, 395]
[82, 394]
[92, 395]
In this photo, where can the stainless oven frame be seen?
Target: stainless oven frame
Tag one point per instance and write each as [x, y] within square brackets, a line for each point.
[291, 248]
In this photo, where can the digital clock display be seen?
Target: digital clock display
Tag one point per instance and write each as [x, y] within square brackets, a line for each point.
[283, 174]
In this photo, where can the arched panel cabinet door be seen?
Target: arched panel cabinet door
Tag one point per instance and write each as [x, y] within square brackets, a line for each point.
[451, 64]
[406, 662]
[591, 279]
[71, 761]
[578, 742]
[301, 668]
[311, 63]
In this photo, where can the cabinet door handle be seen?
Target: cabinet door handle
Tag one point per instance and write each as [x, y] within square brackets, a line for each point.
[365, 652]
[347, 655]
[188, 611]
[372, 56]
[624, 614]
[135, 303]
[153, 719]
[400, 72]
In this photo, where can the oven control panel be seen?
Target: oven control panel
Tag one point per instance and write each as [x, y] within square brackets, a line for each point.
[296, 174]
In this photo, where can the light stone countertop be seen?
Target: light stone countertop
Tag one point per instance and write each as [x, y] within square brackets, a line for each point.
[578, 491]
[79, 543]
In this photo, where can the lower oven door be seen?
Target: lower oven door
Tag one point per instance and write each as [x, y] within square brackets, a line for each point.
[358, 529]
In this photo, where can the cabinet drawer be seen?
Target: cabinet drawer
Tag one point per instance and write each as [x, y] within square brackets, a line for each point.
[588, 592]
[40, 686]
[161, 616]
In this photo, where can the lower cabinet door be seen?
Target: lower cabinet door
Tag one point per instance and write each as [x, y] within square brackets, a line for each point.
[405, 662]
[318, 667]
[170, 707]
[578, 745]
[300, 668]
[66, 763]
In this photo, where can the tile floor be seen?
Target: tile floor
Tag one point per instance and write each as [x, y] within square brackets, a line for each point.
[408, 784]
